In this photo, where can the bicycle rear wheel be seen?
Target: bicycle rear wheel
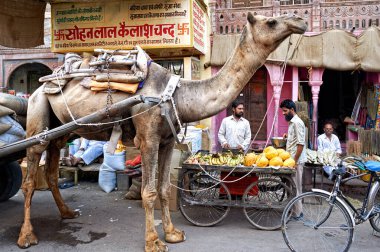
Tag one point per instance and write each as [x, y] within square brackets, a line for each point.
[301, 233]
[207, 203]
[374, 201]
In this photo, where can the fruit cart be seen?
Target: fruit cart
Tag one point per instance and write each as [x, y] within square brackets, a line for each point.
[208, 192]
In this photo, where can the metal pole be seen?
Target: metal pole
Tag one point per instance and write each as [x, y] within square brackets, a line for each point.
[98, 116]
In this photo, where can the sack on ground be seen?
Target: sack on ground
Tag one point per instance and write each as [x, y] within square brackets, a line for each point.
[107, 178]
[14, 133]
[116, 161]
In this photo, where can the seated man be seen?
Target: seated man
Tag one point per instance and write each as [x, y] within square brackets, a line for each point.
[88, 151]
[329, 142]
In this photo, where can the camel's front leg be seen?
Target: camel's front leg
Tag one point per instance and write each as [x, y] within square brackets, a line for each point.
[149, 153]
[172, 234]
[52, 165]
[27, 236]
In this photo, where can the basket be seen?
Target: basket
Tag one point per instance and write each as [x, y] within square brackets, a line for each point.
[238, 187]
[278, 142]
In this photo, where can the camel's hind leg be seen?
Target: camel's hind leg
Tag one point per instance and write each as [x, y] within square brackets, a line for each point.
[172, 234]
[51, 168]
[27, 236]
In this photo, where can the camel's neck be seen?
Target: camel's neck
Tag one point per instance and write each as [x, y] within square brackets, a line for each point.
[197, 100]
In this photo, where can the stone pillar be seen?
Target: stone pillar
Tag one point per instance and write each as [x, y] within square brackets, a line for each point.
[276, 8]
[315, 25]
[212, 10]
[315, 82]
[277, 80]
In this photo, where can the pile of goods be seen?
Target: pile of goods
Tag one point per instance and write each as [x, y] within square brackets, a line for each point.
[226, 158]
[328, 158]
[271, 157]
[355, 165]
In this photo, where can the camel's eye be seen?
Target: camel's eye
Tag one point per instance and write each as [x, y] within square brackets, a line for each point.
[272, 22]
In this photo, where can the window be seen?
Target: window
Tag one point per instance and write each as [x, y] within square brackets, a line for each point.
[363, 23]
[350, 23]
[226, 29]
[232, 29]
[238, 28]
[291, 2]
[331, 24]
[357, 23]
[221, 30]
[324, 25]
[174, 66]
[370, 23]
[344, 25]
[337, 24]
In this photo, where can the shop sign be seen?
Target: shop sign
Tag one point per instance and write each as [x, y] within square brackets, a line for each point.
[124, 24]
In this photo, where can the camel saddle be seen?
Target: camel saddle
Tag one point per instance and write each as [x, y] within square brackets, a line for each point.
[123, 70]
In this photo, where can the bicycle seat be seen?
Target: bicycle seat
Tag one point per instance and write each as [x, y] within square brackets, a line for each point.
[340, 170]
[373, 166]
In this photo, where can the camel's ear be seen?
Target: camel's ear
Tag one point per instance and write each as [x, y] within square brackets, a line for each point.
[251, 18]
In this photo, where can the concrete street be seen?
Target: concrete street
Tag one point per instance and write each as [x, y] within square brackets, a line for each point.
[110, 223]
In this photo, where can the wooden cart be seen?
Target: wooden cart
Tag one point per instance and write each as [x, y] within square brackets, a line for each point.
[205, 200]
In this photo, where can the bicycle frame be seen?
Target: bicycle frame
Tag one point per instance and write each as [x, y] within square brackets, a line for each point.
[363, 213]
[336, 194]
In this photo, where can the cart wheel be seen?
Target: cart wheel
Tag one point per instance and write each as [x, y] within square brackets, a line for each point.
[208, 202]
[10, 180]
[264, 202]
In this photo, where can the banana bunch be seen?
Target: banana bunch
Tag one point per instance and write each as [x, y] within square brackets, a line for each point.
[217, 159]
[235, 160]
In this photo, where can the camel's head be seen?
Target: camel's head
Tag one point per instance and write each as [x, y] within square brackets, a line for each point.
[271, 31]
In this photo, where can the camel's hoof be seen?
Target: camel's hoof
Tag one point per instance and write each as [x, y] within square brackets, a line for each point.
[175, 236]
[70, 214]
[27, 240]
[156, 246]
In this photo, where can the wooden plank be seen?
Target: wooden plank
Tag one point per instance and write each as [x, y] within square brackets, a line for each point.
[240, 169]
[98, 116]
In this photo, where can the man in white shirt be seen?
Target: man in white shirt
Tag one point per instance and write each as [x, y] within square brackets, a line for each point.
[295, 145]
[329, 142]
[235, 131]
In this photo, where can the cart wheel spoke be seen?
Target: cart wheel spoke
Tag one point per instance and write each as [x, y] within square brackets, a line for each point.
[264, 208]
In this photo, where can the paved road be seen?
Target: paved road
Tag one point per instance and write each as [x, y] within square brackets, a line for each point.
[110, 223]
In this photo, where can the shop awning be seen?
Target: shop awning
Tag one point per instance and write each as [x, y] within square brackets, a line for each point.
[334, 49]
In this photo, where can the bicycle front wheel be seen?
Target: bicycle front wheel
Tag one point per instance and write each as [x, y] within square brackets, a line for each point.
[374, 201]
[321, 226]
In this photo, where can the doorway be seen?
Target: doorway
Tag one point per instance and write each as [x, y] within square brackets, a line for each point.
[337, 98]
[24, 79]
[254, 98]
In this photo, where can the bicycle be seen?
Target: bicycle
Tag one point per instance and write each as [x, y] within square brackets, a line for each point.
[327, 220]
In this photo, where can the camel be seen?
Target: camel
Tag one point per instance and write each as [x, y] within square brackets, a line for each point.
[150, 132]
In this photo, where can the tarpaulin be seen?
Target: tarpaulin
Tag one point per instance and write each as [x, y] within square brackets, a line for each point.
[22, 23]
[334, 49]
